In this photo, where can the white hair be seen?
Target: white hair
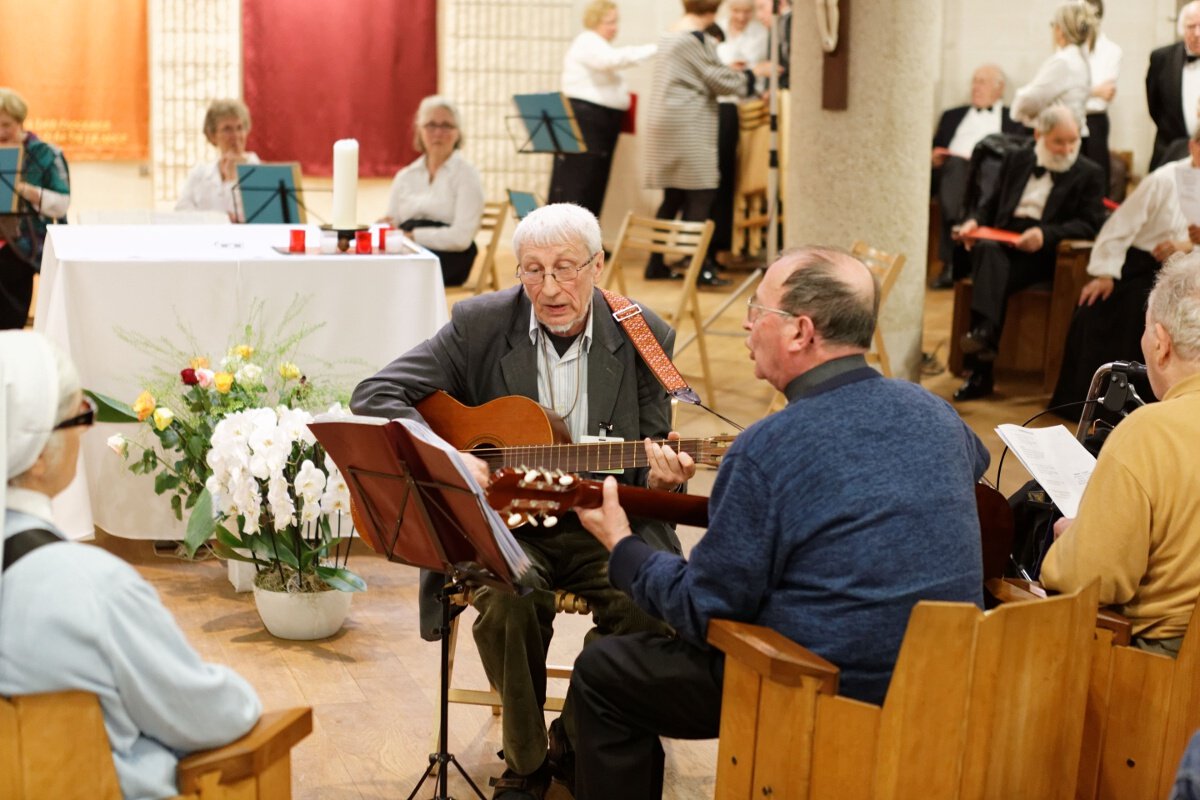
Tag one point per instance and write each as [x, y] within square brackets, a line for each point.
[1175, 304]
[556, 224]
[1193, 6]
[1053, 116]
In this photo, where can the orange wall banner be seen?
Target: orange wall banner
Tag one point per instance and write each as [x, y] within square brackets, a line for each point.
[82, 67]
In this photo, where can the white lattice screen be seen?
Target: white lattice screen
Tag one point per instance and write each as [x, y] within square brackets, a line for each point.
[195, 56]
[491, 50]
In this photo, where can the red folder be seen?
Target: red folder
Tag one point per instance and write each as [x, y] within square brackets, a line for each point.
[995, 235]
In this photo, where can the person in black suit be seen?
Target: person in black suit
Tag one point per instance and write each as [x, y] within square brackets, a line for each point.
[1047, 193]
[958, 131]
[1173, 85]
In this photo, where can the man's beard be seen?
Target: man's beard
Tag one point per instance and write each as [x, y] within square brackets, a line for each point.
[1051, 161]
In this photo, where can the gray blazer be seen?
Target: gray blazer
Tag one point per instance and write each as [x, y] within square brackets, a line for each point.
[485, 353]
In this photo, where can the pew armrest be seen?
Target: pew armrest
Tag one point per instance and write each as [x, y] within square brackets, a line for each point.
[272, 738]
[771, 654]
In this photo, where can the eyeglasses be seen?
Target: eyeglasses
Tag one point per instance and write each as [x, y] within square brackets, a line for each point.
[754, 311]
[563, 274]
[86, 418]
[439, 126]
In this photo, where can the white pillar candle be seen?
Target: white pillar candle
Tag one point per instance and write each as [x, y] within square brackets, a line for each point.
[345, 183]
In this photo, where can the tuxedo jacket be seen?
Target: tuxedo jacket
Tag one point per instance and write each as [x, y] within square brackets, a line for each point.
[1074, 209]
[953, 117]
[1164, 89]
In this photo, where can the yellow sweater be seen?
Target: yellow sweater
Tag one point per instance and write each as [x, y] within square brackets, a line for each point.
[1138, 528]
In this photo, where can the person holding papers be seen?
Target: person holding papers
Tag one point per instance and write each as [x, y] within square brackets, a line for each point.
[1046, 193]
[1138, 526]
[591, 80]
[211, 185]
[1147, 229]
[438, 199]
[43, 190]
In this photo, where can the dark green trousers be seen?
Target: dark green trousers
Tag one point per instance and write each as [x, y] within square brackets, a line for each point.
[513, 633]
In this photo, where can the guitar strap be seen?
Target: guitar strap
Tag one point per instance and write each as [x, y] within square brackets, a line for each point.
[629, 315]
[25, 542]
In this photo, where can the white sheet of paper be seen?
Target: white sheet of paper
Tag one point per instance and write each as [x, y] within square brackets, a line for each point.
[1055, 459]
[1187, 182]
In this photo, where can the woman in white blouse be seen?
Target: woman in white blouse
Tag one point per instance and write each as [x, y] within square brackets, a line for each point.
[1104, 59]
[210, 185]
[1065, 77]
[438, 199]
[591, 79]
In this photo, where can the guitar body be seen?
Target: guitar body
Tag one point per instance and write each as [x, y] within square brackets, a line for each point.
[504, 422]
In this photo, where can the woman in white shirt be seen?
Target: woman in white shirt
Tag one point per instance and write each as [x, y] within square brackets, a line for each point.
[591, 79]
[1104, 60]
[210, 185]
[438, 199]
[1064, 78]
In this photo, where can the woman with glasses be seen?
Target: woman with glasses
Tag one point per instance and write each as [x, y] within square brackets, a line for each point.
[211, 185]
[438, 199]
[74, 616]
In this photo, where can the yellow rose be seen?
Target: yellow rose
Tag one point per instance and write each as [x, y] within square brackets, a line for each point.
[223, 381]
[143, 406]
[289, 371]
[199, 362]
[243, 351]
[163, 417]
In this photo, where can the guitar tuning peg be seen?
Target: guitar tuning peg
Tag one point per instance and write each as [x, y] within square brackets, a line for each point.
[566, 479]
[532, 476]
[531, 519]
[514, 519]
[549, 521]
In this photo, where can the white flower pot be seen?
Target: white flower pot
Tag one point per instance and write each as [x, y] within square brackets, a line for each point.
[302, 615]
[241, 573]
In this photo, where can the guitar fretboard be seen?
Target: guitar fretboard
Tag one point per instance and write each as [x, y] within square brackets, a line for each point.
[592, 456]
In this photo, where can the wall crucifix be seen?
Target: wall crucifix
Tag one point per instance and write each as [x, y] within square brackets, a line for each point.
[833, 27]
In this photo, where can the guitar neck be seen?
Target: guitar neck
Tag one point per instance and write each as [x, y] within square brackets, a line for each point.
[588, 457]
[686, 509]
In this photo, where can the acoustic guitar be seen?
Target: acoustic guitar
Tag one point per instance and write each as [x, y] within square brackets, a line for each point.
[540, 496]
[511, 431]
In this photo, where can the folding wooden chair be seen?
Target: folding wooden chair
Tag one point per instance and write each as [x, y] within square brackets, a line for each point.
[670, 238]
[886, 267]
[485, 277]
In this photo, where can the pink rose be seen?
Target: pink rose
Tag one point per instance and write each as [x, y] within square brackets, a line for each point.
[204, 377]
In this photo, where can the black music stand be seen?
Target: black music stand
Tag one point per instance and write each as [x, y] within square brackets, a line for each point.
[275, 189]
[413, 505]
[550, 123]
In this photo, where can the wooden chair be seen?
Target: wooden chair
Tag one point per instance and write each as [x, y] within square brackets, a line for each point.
[750, 212]
[484, 276]
[55, 745]
[981, 705]
[886, 267]
[670, 238]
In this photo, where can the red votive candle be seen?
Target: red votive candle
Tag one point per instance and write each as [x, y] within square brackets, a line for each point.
[362, 242]
[383, 229]
[297, 243]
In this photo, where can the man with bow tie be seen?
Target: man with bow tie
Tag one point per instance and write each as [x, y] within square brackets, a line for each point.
[958, 131]
[1046, 193]
[1173, 86]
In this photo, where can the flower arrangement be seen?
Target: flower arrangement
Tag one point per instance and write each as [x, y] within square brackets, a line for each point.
[231, 447]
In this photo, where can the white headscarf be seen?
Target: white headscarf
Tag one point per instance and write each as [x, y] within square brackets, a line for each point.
[28, 404]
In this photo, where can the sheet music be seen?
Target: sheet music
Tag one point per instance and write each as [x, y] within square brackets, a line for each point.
[1055, 459]
[1187, 182]
[514, 554]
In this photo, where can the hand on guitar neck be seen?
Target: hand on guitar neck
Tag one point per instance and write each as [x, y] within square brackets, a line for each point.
[669, 466]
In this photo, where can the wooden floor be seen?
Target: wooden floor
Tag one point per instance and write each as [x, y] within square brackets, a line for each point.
[373, 687]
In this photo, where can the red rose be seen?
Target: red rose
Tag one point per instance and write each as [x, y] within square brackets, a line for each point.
[189, 376]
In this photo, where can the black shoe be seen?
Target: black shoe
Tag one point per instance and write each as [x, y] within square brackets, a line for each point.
[561, 757]
[978, 384]
[944, 280]
[513, 786]
[708, 277]
[979, 342]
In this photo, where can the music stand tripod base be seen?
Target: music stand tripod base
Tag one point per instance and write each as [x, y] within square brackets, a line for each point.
[345, 236]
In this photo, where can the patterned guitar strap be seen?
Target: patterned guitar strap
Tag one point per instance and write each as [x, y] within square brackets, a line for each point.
[629, 315]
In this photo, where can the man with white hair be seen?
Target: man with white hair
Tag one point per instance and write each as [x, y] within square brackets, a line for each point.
[1045, 194]
[73, 616]
[554, 340]
[1173, 85]
[1138, 526]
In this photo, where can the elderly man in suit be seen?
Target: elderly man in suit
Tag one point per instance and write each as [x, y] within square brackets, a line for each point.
[958, 131]
[1046, 193]
[1173, 86]
[551, 339]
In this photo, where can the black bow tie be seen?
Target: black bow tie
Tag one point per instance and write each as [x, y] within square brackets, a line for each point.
[1190, 58]
[1039, 171]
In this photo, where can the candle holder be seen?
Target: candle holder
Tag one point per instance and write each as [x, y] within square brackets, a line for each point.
[345, 236]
